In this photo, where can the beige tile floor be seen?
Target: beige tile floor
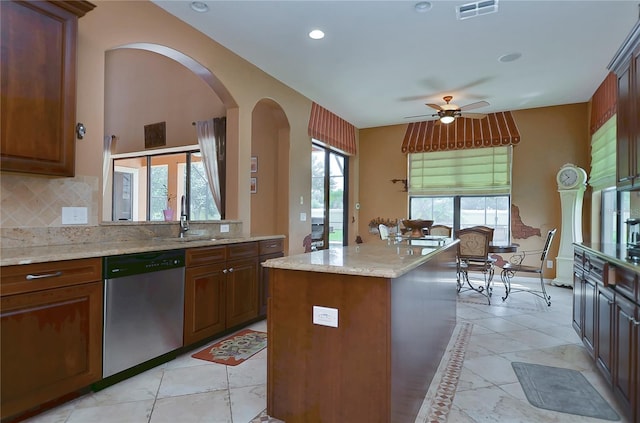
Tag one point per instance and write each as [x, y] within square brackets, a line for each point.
[475, 381]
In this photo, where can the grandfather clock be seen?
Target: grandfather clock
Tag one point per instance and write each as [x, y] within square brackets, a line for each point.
[571, 186]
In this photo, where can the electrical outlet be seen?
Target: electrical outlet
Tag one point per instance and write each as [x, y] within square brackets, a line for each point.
[224, 228]
[549, 264]
[325, 316]
[74, 216]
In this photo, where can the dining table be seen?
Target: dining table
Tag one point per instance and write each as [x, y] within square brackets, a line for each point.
[503, 248]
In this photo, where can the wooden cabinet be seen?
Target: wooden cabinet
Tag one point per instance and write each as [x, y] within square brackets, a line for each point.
[606, 301]
[38, 85]
[578, 291]
[51, 331]
[221, 289]
[625, 384]
[605, 330]
[204, 294]
[268, 249]
[626, 65]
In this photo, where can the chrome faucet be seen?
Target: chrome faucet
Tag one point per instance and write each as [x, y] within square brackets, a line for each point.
[184, 223]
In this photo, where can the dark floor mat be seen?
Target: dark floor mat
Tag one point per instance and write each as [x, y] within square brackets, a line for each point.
[564, 390]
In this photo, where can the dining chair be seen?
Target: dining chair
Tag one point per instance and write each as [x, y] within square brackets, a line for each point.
[516, 266]
[441, 230]
[488, 229]
[473, 257]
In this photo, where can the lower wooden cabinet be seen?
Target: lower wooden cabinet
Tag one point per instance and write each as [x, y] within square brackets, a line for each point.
[204, 302]
[606, 315]
[51, 339]
[626, 362]
[221, 289]
[268, 250]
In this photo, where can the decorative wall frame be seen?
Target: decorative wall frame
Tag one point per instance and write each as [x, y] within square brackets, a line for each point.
[155, 135]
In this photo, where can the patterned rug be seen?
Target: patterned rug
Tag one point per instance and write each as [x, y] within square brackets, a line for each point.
[234, 349]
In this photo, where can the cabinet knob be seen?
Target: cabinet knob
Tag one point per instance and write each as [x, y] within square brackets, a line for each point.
[225, 271]
[231, 269]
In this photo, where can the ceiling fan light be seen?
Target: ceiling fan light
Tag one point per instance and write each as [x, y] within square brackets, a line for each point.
[447, 119]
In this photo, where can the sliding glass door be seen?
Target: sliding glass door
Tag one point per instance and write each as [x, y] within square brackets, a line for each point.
[328, 198]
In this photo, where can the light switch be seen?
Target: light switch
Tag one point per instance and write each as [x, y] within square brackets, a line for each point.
[303, 217]
[325, 316]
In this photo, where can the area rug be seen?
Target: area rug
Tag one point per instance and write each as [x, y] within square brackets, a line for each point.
[563, 390]
[234, 349]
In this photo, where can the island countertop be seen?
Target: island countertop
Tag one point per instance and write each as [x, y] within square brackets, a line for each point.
[376, 259]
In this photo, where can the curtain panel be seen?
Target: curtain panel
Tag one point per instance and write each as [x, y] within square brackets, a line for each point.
[212, 139]
[332, 130]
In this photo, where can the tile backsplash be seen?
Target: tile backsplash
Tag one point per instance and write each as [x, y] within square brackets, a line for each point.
[36, 202]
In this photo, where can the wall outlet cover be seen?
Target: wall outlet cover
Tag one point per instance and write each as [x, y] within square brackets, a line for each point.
[224, 228]
[325, 316]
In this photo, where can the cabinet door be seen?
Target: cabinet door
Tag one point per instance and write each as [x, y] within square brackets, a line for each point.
[51, 344]
[264, 283]
[624, 126]
[204, 302]
[38, 88]
[588, 324]
[242, 291]
[626, 352]
[604, 330]
[635, 112]
[578, 299]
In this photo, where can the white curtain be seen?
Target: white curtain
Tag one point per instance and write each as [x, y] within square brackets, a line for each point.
[209, 135]
[106, 162]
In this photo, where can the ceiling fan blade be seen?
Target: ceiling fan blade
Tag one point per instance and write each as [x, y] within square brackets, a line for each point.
[434, 106]
[475, 105]
[474, 115]
[427, 117]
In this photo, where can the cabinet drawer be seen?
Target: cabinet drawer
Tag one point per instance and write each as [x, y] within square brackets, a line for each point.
[36, 277]
[271, 246]
[205, 255]
[244, 250]
[595, 269]
[625, 282]
[578, 258]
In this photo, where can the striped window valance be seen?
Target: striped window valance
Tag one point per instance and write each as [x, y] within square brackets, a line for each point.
[603, 102]
[332, 130]
[603, 156]
[494, 130]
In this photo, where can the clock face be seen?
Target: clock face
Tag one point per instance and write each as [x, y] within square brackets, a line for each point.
[568, 178]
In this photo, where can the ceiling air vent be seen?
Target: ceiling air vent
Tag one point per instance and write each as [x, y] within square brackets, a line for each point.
[471, 10]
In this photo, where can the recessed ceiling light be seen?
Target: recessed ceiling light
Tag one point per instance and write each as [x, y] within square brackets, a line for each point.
[316, 34]
[509, 57]
[423, 6]
[199, 6]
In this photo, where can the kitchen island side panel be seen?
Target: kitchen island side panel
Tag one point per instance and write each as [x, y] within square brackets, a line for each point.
[326, 374]
[376, 366]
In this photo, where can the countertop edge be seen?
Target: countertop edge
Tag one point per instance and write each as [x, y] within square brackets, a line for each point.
[608, 257]
[42, 254]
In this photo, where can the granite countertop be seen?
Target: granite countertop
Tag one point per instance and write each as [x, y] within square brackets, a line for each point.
[376, 259]
[41, 254]
[613, 253]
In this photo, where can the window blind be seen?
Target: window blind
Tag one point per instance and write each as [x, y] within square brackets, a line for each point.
[478, 171]
[603, 156]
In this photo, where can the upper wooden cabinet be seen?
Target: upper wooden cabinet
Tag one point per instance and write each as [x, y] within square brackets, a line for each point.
[38, 88]
[626, 65]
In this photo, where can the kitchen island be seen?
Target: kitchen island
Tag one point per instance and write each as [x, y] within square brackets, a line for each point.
[356, 334]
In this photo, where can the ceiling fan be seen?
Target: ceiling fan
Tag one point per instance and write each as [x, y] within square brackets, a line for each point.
[448, 112]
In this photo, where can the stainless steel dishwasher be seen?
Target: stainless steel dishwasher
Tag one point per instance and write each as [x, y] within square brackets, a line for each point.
[143, 308]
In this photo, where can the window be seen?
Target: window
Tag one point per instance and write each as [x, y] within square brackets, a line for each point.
[145, 185]
[463, 188]
[461, 212]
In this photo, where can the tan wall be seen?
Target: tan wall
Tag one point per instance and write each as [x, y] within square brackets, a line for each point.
[550, 137]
